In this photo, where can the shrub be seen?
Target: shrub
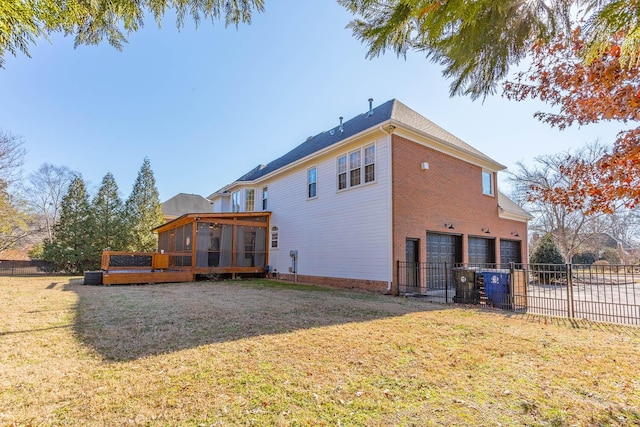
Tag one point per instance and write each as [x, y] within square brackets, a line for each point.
[610, 255]
[586, 258]
[548, 264]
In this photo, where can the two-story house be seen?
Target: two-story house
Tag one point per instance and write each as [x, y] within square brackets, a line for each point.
[386, 186]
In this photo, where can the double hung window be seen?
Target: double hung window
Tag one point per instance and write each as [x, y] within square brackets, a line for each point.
[265, 197]
[235, 201]
[357, 167]
[312, 181]
[249, 200]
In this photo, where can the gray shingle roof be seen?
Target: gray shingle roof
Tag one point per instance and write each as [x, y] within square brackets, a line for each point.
[325, 139]
[511, 207]
[390, 111]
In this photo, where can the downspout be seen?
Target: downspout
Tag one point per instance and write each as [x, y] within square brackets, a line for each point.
[390, 207]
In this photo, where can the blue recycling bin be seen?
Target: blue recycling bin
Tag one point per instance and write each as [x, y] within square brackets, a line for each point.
[497, 287]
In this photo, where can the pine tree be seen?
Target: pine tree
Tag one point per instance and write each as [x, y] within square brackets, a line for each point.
[108, 212]
[72, 248]
[143, 211]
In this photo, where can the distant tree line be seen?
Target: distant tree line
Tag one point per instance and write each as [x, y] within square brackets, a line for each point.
[87, 226]
[52, 212]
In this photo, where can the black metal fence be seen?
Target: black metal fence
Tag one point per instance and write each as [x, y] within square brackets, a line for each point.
[606, 293]
[25, 268]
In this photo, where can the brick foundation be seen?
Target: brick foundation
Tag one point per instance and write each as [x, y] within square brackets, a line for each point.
[337, 282]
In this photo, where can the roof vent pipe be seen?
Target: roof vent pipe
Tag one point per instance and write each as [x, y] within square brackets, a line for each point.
[370, 113]
[341, 128]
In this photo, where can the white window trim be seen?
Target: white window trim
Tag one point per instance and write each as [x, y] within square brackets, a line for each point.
[492, 183]
[240, 201]
[265, 200]
[362, 168]
[272, 231]
[246, 199]
[316, 182]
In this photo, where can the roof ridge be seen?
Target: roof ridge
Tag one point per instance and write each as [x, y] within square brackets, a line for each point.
[392, 109]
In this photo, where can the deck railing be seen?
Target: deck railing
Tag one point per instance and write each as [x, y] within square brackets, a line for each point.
[119, 260]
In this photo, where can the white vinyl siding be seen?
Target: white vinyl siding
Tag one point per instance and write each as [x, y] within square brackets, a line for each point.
[341, 234]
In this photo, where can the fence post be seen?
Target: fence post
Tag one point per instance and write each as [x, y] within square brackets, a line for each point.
[567, 268]
[398, 274]
[446, 284]
[512, 273]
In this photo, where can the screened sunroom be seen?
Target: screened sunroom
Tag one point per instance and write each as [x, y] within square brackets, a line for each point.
[216, 243]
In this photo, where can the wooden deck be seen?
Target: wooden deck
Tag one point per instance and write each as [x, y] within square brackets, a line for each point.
[128, 268]
[134, 277]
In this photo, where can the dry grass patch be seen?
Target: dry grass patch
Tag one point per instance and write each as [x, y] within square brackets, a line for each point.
[264, 353]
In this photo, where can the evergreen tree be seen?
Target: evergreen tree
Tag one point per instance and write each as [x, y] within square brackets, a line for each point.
[143, 211]
[71, 248]
[547, 252]
[478, 41]
[108, 212]
[23, 23]
[547, 262]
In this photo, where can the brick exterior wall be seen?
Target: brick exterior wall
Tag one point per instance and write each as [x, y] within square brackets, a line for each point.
[335, 282]
[449, 192]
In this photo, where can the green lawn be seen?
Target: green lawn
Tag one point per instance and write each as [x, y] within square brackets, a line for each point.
[266, 353]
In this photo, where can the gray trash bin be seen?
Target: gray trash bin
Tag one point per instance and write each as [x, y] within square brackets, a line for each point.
[466, 288]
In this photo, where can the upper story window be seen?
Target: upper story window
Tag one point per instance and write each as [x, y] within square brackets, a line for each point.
[249, 199]
[370, 163]
[312, 179]
[350, 167]
[265, 197]
[235, 201]
[342, 172]
[487, 183]
[354, 168]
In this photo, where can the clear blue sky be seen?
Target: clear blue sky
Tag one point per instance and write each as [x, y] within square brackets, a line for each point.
[208, 105]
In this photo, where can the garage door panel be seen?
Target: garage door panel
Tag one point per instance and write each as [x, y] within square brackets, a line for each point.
[510, 252]
[481, 251]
